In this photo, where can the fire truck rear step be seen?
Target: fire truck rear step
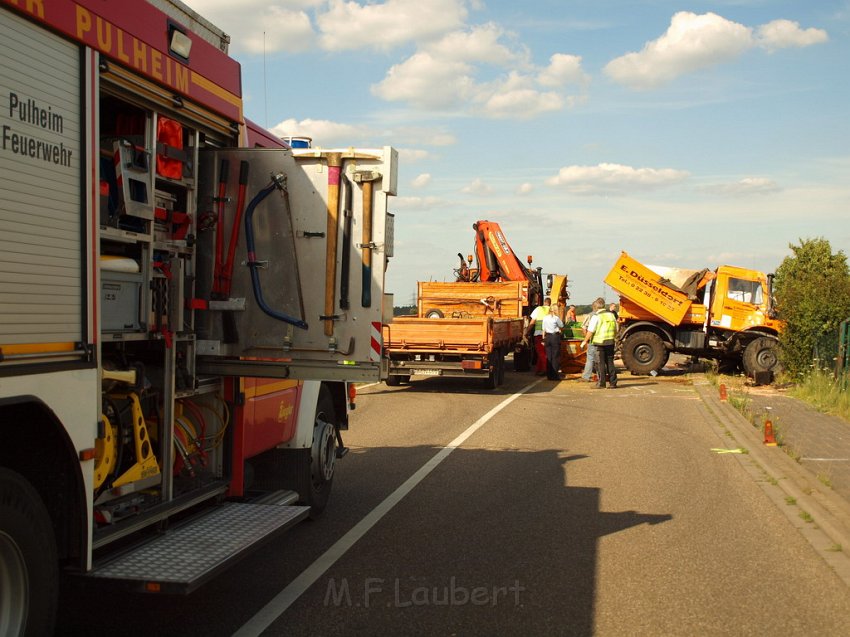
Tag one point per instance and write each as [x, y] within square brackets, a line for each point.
[183, 558]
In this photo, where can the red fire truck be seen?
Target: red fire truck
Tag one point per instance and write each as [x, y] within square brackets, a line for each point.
[183, 303]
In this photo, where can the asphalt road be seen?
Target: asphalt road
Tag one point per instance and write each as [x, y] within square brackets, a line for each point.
[557, 509]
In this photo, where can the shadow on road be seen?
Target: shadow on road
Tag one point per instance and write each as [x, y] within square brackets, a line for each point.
[491, 542]
[502, 525]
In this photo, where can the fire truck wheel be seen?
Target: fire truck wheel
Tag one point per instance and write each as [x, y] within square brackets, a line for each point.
[29, 574]
[314, 468]
[393, 380]
[761, 355]
[644, 352]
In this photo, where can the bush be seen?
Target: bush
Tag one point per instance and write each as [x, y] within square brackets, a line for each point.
[812, 289]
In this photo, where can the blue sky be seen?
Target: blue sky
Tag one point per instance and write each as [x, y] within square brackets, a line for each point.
[689, 134]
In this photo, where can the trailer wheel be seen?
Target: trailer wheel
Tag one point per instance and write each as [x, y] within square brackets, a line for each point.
[434, 313]
[644, 352]
[497, 370]
[29, 572]
[501, 367]
[522, 360]
[761, 355]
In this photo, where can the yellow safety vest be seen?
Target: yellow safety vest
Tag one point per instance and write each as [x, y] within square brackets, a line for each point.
[538, 321]
[606, 328]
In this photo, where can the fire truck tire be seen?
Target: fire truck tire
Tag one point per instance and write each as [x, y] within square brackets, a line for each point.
[393, 380]
[644, 352]
[761, 355]
[29, 572]
[311, 471]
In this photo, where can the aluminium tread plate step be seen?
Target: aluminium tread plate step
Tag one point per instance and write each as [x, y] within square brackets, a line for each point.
[183, 558]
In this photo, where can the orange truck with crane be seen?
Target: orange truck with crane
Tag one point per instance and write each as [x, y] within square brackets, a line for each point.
[726, 314]
[466, 328]
[180, 319]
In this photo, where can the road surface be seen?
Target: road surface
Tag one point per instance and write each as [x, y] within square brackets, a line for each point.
[540, 508]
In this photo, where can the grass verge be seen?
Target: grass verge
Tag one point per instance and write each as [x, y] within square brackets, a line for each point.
[826, 394]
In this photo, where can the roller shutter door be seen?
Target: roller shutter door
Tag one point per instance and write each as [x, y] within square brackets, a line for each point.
[41, 210]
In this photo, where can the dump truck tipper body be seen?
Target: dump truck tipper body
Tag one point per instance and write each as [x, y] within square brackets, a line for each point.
[726, 314]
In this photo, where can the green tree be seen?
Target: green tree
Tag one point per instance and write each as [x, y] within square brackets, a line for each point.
[812, 289]
[404, 310]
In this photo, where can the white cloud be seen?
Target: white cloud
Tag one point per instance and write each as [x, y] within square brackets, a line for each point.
[694, 42]
[608, 179]
[450, 74]
[781, 34]
[562, 70]
[479, 44]
[327, 134]
[524, 189]
[258, 26]
[477, 187]
[351, 25]
[691, 42]
[477, 69]
[411, 155]
[420, 181]
[744, 187]
[521, 103]
[324, 133]
[427, 82]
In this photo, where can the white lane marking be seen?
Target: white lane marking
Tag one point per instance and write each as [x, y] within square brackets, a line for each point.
[826, 459]
[285, 598]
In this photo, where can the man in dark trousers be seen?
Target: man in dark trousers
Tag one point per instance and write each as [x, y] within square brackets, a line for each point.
[552, 326]
[602, 332]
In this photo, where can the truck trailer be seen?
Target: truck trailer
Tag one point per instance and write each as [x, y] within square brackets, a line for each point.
[181, 309]
[726, 314]
[467, 327]
[462, 330]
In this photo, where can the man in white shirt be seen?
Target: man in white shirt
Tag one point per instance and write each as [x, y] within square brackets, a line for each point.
[552, 326]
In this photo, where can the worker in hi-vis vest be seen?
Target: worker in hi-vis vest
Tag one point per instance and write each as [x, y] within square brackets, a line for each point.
[602, 332]
[536, 328]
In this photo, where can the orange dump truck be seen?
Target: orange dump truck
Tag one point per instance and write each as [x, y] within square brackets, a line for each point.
[726, 314]
[462, 330]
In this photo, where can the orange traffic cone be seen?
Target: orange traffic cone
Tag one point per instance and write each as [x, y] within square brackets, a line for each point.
[769, 438]
[723, 393]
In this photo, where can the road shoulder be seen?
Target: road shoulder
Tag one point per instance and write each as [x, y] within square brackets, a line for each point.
[820, 514]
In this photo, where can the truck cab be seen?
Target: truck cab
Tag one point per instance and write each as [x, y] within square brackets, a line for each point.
[740, 299]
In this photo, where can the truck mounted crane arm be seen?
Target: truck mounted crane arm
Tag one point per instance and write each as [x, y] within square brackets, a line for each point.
[496, 260]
